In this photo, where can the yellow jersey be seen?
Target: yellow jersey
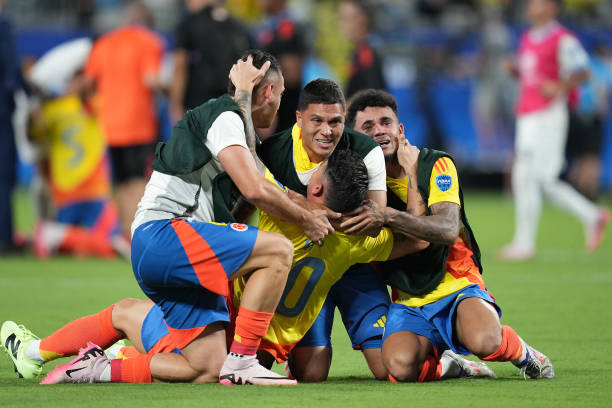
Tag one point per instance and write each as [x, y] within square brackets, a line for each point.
[460, 268]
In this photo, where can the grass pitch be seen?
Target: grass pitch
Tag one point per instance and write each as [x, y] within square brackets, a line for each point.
[559, 302]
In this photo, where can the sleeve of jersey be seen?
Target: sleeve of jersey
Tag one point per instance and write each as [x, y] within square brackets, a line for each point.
[443, 183]
[377, 173]
[572, 57]
[368, 249]
[226, 130]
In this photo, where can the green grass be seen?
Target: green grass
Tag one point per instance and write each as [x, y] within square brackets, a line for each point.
[559, 302]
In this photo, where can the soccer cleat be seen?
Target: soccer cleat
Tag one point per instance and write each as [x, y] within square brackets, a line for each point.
[114, 351]
[468, 368]
[595, 234]
[87, 367]
[15, 340]
[253, 374]
[535, 365]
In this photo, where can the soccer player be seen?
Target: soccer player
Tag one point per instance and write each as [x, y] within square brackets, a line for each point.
[87, 222]
[440, 300]
[551, 63]
[292, 156]
[182, 260]
[340, 183]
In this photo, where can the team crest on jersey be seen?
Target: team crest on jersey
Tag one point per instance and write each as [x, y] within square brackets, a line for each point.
[308, 244]
[239, 227]
[444, 182]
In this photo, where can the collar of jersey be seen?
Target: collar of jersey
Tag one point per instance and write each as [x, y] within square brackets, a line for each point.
[300, 156]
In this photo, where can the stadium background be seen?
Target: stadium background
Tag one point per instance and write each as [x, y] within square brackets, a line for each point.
[454, 49]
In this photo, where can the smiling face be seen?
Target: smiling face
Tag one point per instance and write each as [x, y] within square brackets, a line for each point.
[381, 124]
[322, 126]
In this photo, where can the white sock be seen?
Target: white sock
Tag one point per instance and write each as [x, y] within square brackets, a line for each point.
[106, 374]
[33, 351]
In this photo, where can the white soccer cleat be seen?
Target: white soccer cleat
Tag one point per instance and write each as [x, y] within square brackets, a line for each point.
[535, 365]
[468, 368]
[15, 340]
[252, 374]
[515, 253]
[87, 367]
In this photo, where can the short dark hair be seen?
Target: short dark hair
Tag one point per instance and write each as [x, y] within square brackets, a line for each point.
[259, 58]
[367, 98]
[347, 177]
[323, 91]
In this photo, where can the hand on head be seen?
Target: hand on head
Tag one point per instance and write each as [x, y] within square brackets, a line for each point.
[245, 76]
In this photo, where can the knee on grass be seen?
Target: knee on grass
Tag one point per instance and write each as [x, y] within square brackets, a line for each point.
[403, 367]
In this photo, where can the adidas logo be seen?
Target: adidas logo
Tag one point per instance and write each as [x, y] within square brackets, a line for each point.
[380, 322]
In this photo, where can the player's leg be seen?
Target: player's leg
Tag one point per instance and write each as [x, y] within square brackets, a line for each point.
[525, 190]
[478, 328]
[268, 266]
[564, 196]
[363, 301]
[310, 360]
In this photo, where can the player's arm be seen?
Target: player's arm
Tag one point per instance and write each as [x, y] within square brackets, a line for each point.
[441, 227]
[240, 165]
[574, 68]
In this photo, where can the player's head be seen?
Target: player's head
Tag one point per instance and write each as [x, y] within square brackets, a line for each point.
[354, 19]
[542, 11]
[340, 182]
[267, 93]
[137, 12]
[320, 115]
[374, 112]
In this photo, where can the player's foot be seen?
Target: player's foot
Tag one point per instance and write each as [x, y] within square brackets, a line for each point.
[87, 367]
[466, 368]
[15, 340]
[535, 365]
[595, 234]
[236, 372]
[515, 253]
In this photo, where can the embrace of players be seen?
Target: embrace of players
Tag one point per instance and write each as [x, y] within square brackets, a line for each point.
[226, 298]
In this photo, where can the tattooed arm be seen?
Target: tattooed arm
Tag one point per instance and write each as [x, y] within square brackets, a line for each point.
[245, 77]
[442, 226]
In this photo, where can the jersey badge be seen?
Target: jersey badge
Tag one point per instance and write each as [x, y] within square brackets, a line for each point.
[444, 182]
[239, 227]
[308, 244]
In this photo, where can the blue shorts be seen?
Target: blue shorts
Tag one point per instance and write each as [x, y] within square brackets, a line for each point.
[154, 333]
[363, 301]
[88, 214]
[184, 268]
[434, 320]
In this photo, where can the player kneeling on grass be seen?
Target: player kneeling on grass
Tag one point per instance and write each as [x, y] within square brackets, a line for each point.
[143, 322]
[441, 301]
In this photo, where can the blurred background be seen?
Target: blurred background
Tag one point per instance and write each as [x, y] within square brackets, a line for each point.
[443, 60]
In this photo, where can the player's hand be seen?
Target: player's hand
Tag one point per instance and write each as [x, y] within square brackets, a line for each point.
[317, 226]
[245, 76]
[368, 219]
[407, 154]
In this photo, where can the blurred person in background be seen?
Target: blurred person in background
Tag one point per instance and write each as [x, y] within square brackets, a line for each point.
[280, 35]
[10, 82]
[551, 63]
[77, 167]
[208, 42]
[586, 126]
[124, 65]
[366, 69]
